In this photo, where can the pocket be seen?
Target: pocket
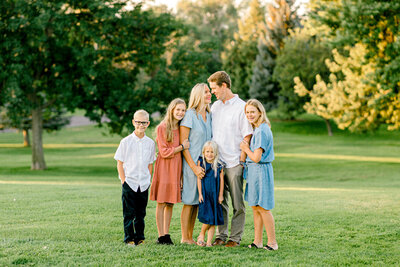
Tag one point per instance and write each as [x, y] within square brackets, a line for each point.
[123, 185]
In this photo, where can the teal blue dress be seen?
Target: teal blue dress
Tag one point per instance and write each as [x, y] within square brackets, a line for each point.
[200, 132]
[210, 211]
[260, 176]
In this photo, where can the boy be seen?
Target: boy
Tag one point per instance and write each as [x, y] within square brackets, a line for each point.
[135, 156]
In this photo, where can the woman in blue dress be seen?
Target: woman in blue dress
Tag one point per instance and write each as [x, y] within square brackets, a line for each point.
[259, 174]
[211, 193]
[195, 126]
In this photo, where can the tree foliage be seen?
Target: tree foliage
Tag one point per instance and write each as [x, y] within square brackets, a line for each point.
[78, 54]
[238, 60]
[212, 24]
[366, 31]
[281, 17]
[304, 57]
[349, 102]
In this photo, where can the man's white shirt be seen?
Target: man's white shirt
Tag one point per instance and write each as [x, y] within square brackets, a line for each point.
[229, 127]
[136, 154]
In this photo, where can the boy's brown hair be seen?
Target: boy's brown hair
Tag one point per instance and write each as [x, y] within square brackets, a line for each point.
[220, 77]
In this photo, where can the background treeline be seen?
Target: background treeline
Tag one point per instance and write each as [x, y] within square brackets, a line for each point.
[339, 60]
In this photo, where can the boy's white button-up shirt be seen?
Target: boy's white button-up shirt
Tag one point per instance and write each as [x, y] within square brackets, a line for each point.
[229, 127]
[136, 154]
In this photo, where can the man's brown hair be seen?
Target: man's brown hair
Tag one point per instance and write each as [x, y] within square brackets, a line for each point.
[220, 77]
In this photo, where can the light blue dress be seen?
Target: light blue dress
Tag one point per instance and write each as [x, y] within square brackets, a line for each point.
[260, 176]
[200, 132]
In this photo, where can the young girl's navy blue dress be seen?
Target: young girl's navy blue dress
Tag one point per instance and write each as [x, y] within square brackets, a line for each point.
[210, 211]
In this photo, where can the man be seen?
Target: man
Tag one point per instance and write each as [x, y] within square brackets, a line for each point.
[229, 128]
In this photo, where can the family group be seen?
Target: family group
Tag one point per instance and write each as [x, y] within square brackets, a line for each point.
[222, 146]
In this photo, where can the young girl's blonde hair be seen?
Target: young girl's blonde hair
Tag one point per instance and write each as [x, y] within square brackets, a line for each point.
[215, 162]
[196, 100]
[169, 118]
[263, 117]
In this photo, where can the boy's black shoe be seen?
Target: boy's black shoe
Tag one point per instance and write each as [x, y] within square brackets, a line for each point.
[131, 244]
[167, 240]
[139, 242]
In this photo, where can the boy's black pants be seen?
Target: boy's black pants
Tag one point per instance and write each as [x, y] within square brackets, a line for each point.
[134, 210]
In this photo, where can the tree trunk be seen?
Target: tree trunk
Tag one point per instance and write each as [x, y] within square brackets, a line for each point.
[38, 162]
[25, 133]
[328, 127]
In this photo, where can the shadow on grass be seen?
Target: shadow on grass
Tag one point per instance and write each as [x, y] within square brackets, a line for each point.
[61, 171]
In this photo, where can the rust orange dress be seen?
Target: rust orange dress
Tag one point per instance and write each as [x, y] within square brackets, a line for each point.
[166, 185]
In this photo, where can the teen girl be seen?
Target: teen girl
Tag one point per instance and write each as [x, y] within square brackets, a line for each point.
[167, 179]
[211, 189]
[259, 174]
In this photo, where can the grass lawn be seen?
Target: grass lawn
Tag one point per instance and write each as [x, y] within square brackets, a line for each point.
[328, 212]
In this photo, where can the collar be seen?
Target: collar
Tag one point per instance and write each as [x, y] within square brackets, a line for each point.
[232, 100]
[136, 138]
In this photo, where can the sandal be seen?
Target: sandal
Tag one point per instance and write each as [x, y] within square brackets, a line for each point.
[252, 245]
[269, 248]
[201, 243]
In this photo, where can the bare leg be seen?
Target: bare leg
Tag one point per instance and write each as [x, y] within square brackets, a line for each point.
[167, 217]
[269, 224]
[210, 236]
[258, 227]
[192, 222]
[185, 218]
[160, 218]
[200, 238]
[186, 224]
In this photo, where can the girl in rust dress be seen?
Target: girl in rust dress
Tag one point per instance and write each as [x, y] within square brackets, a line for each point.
[167, 179]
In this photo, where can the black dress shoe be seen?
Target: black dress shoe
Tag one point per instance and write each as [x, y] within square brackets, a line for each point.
[167, 240]
[161, 240]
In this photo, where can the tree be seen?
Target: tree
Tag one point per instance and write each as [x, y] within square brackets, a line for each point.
[53, 120]
[185, 64]
[282, 16]
[238, 60]
[304, 57]
[371, 27]
[349, 101]
[212, 24]
[78, 54]
[263, 86]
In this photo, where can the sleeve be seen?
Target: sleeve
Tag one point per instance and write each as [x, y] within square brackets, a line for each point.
[187, 121]
[201, 161]
[152, 152]
[165, 148]
[244, 125]
[261, 139]
[121, 151]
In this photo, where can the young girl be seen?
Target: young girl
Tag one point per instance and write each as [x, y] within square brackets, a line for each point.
[167, 179]
[259, 174]
[211, 188]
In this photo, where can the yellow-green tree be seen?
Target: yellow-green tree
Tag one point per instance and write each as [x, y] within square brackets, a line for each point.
[364, 90]
[351, 101]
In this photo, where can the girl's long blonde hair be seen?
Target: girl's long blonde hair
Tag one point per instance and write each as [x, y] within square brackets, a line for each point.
[196, 100]
[169, 118]
[263, 117]
[214, 147]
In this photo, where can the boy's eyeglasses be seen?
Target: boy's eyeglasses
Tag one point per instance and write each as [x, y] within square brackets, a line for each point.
[143, 123]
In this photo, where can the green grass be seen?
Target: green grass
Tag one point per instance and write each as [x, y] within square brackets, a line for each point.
[328, 212]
